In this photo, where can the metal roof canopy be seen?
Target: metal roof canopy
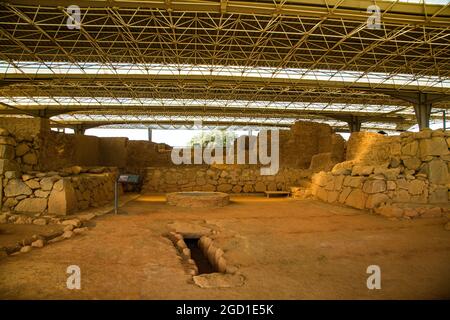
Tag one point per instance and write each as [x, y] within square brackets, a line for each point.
[300, 34]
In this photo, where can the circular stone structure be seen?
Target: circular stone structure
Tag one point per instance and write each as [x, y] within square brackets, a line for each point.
[198, 199]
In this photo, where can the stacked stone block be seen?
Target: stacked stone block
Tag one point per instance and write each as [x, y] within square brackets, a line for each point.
[410, 169]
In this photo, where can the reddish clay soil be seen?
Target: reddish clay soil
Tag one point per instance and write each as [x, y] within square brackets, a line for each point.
[285, 248]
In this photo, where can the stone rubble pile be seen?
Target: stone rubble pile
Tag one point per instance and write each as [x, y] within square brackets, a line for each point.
[71, 228]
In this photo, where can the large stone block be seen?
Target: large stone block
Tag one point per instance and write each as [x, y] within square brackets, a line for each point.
[361, 170]
[437, 171]
[439, 195]
[21, 149]
[402, 196]
[375, 200]
[343, 168]
[224, 187]
[389, 174]
[374, 186]
[355, 182]
[356, 199]
[410, 149]
[416, 187]
[17, 187]
[412, 163]
[436, 146]
[63, 202]
[344, 194]
[30, 158]
[37, 205]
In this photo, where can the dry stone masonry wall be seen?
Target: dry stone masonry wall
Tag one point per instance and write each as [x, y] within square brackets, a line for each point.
[399, 176]
[221, 178]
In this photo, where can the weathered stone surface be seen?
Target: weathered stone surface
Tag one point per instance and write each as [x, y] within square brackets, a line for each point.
[439, 195]
[30, 158]
[21, 149]
[47, 183]
[4, 132]
[412, 163]
[7, 140]
[402, 196]
[344, 168]
[63, 202]
[10, 203]
[355, 182]
[260, 187]
[6, 152]
[359, 170]
[25, 249]
[32, 205]
[437, 171]
[374, 186]
[410, 149]
[375, 200]
[67, 234]
[33, 184]
[224, 187]
[40, 221]
[41, 194]
[16, 187]
[236, 189]
[436, 146]
[356, 199]
[389, 174]
[12, 174]
[344, 194]
[322, 162]
[8, 165]
[332, 196]
[79, 230]
[391, 185]
[416, 187]
[248, 188]
[38, 243]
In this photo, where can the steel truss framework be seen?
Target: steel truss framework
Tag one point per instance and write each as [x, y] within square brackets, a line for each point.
[371, 74]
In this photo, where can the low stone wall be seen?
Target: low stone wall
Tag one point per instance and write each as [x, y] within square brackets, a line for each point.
[222, 178]
[58, 193]
[412, 169]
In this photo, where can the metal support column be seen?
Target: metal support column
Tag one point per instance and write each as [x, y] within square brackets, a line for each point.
[422, 110]
[354, 124]
[149, 134]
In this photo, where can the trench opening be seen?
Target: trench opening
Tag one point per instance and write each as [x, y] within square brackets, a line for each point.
[200, 259]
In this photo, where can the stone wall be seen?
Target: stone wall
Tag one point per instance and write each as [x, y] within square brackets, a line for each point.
[412, 168]
[58, 193]
[24, 127]
[222, 178]
[142, 154]
[306, 139]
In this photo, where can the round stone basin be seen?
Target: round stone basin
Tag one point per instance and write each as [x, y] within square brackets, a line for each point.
[198, 199]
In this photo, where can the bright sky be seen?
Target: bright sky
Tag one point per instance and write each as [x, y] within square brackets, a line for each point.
[174, 138]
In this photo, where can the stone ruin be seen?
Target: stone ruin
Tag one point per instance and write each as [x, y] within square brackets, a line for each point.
[398, 176]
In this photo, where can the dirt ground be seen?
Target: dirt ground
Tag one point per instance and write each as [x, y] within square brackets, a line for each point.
[285, 249]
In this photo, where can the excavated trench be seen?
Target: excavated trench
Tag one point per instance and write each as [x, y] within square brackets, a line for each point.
[202, 262]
